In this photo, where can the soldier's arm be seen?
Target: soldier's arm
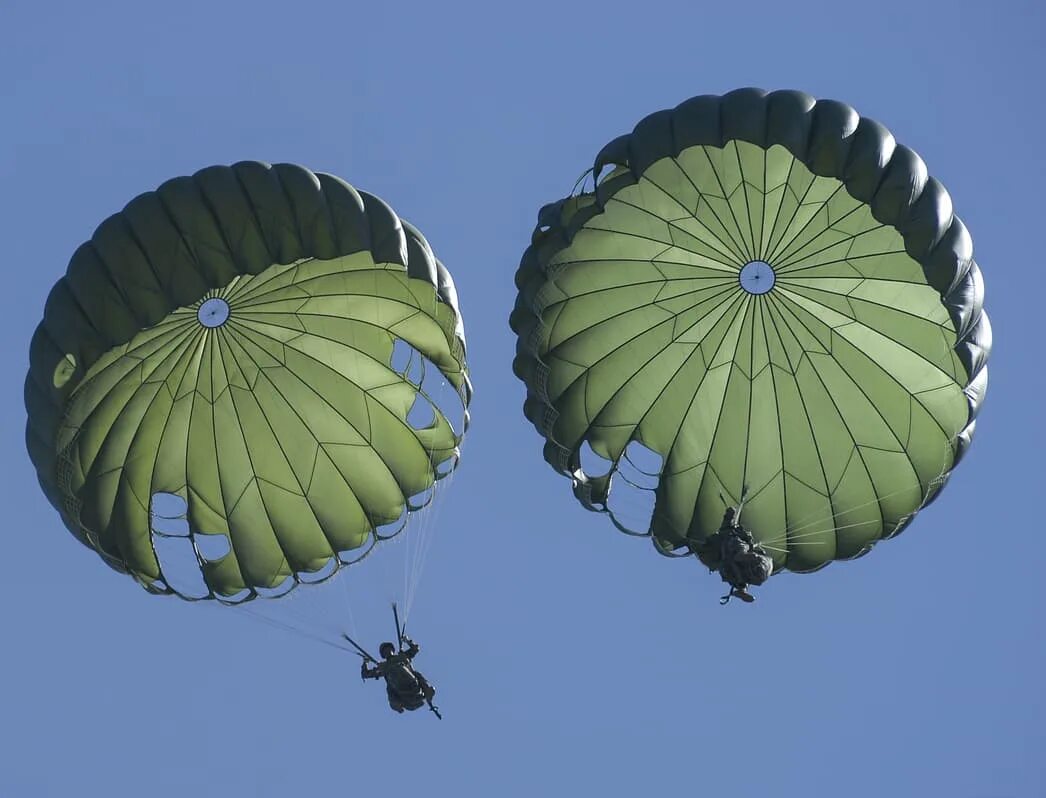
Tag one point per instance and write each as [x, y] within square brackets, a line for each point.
[369, 673]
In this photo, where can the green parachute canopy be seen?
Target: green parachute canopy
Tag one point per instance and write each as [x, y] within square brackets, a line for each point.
[762, 292]
[218, 363]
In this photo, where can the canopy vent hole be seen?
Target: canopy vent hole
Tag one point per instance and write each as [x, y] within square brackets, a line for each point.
[757, 277]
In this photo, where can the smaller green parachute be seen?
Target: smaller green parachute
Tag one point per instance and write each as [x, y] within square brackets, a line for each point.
[220, 363]
[764, 296]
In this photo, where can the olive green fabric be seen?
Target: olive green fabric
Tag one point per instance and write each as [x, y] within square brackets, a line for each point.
[229, 339]
[841, 398]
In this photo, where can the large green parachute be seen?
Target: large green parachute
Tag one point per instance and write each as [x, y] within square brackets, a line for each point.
[766, 295]
[221, 352]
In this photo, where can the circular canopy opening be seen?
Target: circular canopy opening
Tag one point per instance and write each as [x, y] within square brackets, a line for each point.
[213, 313]
[757, 277]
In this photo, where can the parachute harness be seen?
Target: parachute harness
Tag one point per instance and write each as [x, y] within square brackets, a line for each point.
[401, 637]
[744, 562]
[741, 560]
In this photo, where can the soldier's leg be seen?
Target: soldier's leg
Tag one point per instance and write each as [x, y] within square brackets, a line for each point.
[427, 689]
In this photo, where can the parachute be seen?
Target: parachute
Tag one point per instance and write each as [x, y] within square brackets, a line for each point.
[218, 366]
[764, 299]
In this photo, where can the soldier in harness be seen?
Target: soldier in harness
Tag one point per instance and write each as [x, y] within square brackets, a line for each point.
[735, 554]
[407, 689]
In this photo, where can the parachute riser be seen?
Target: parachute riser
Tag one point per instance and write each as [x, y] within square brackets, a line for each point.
[360, 650]
[400, 630]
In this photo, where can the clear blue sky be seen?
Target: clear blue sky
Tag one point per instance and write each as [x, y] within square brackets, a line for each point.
[569, 658]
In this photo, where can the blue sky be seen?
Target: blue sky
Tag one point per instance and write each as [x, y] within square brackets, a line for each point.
[569, 658]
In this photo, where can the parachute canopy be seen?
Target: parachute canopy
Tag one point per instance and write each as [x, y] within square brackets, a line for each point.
[219, 364]
[762, 292]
